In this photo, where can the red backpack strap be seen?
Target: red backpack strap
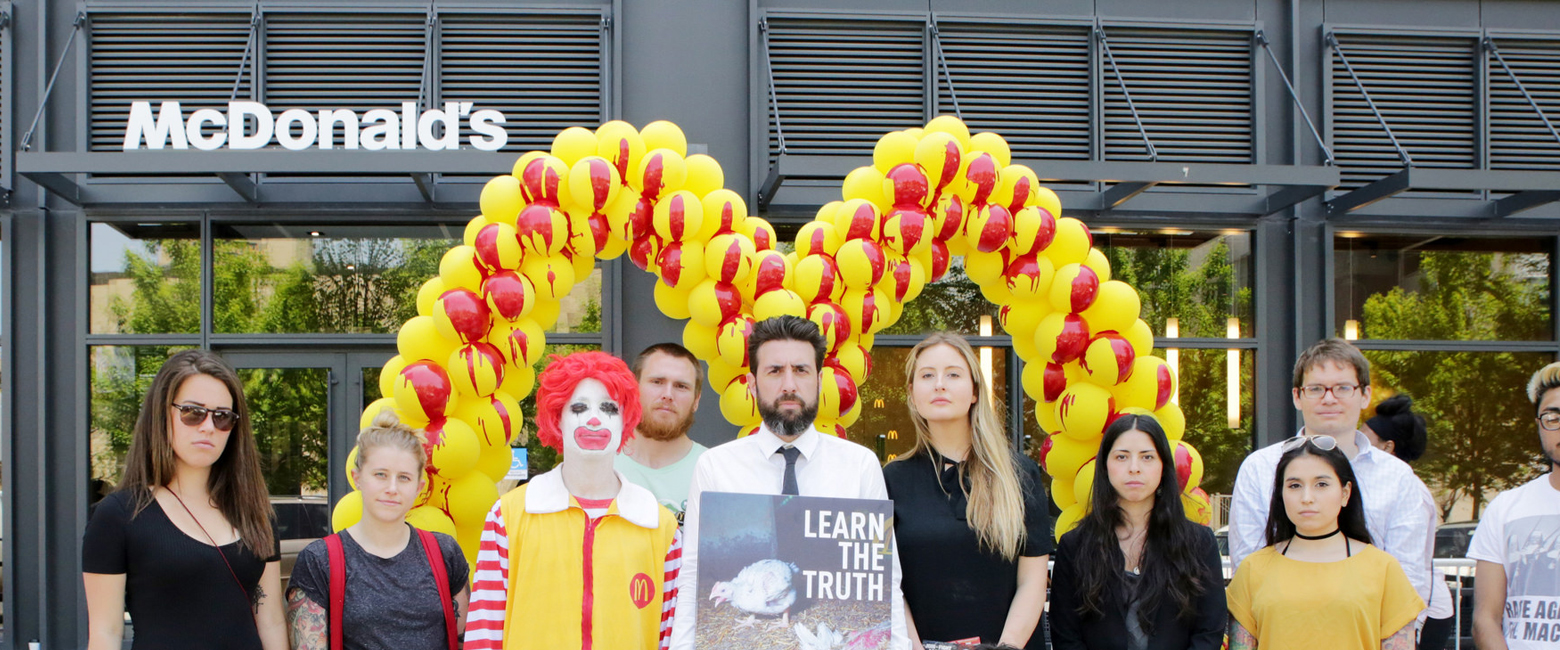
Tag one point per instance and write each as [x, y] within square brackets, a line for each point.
[441, 580]
[338, 587]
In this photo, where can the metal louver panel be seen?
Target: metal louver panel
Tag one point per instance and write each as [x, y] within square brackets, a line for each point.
[1192, 88]
[841, 83]
[189, 58]
[354, 61]
[1518, 138]
[1028, 83]
[1424, 87]
[545, 73]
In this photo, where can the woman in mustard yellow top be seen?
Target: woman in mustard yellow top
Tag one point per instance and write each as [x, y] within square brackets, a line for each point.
[1320, 583]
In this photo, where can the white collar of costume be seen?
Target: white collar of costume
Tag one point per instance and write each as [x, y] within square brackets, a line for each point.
[546, 494]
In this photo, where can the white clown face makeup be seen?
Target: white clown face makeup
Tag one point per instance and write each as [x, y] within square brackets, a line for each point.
[592, 422]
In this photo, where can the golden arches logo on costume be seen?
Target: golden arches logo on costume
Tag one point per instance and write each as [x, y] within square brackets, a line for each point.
[641, 590]
[931, 194]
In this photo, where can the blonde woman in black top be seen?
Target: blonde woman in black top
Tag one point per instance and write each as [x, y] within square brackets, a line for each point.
[974, 532]
[187, 540]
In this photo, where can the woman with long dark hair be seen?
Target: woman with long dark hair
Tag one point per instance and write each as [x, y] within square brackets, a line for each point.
[1136, 574]
[973, 528]
[1320, 583]
[187, 539]
[1398, 430]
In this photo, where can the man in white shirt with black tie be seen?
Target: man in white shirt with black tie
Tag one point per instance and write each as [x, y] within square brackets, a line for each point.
[1331, 388]
[787, 455]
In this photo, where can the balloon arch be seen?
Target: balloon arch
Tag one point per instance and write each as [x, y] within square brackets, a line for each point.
[931, 193]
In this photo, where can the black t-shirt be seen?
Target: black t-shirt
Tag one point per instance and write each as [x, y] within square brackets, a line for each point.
[391, 602]
[956, 589]
[177, 588]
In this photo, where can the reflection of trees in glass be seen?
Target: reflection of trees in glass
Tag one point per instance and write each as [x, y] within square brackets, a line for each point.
[290, 411]
[166, 289]
[1480, 422]
[121, 375]
[1200, 287]
[953, 303]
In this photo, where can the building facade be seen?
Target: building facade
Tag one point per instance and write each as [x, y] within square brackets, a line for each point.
[1265, 172]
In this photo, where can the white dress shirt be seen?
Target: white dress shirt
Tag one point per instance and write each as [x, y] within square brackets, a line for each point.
[1399, 511]
[829, 466]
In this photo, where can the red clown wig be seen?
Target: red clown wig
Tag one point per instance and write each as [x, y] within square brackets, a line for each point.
[557, 384]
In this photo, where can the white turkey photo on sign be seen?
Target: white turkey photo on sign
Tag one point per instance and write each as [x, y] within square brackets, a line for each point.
[788, 573]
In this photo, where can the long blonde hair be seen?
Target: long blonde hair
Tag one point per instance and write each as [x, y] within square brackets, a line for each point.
[995, 509]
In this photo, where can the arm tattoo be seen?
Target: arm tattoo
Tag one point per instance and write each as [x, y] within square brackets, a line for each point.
[1402, 640]
[259, 600]
[305, 622]
[1240, 639]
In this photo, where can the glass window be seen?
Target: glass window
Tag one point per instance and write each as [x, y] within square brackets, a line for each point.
[885, 426]
[120, 375]
[1191, 283]
[1441, 288]
[1481, 433]
[290, 415]
[145, 278]
[953, 303]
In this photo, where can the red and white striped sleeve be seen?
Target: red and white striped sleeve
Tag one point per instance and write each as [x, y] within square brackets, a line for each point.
[490, 586]
[669, 589]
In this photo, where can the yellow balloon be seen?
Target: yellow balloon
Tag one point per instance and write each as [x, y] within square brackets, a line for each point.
[704, 175]
[1083, 483]
[518, 381]
[543, 230]
[729, 258]
[678, 216]
[619, 142]
[501, 199]
[761, 232]
[712, 302]
[993, 144]
[731, 340]
[372, 411]
[862, 263]
[1018, 188]
[853, 219]
[941, 156]
[894, 148]
[724, 211]
[573, 143]
[660, 172]
[1030, 278]
[1101, 264]
[553, 276]
[452, 448]
[864, 183]
[1197, 508]
[737, 403]
[458, 268]
[493, 462]
[1026, 349]
[1108, 359]
[662, 134]
[867, 309]
[700, 340]
[521, 342]
[1047, 200]
[952, 126]
[1069, 519]
[673, 301]
[470, 498]
[1150, 386]
[1116, 307]
[854, 359]
[352, 466]
[722, 373]
[1068, 454]
[986, 268]
[432, 519]
[469, 237]
[1071, 243]
[780, 302]
[1021, 317]
[1173, 420]
[419, 340]
[681, 265]
[1033, 229]
[496, 418]
[1141, 336]
[348, 511]
[1062, 493]
[476, 370]
[593, 182]
[545, 313]
[1084, 409]
[524, 161]
[388, 373]
[817, 238]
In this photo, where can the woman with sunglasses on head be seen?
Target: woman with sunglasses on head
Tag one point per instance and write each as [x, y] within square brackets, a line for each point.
[1136, 574]
[1398, 430]
[187, 540]
[973, 528]
[1320, 583]
[380, 583]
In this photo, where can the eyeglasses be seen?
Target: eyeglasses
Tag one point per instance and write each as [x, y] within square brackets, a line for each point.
[1324, 443]
[1316, 391]
[191, 415]
[1549, 421]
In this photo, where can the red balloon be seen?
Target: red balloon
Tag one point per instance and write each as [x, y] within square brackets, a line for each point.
[672, 264]
[490, 250]
[1183, 463]
[640, 251]
[940, 261]
[599, 228]
[536, 220]
[951, 212]
[1166, 382]
[432, 385]
[641, 219]
[910, 186]
[863, 222]
[982, 173]
[832, 322]
[467, 312]
[541, 182]
[508, 293]
[1073, 340]
[995, 230]
[1045, 449]
[899, 274]
[1122, 351]
[1055, 382]
[847, 390]
[1085, 287]
[769, 275]
[600, 184]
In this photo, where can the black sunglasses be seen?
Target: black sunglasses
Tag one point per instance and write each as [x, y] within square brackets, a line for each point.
[191, 415]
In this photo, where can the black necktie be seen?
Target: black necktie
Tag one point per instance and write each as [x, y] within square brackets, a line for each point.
[790, 453]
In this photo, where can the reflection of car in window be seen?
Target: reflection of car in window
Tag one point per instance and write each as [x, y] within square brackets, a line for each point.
[1451, 540]
[299, 521]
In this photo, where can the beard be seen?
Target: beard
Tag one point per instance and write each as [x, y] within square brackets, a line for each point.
[655, 430]
[788, 425]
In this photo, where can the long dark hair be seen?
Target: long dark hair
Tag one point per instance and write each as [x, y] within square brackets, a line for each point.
[1396, 421]
[236, 483]
[1351, 519]
[1171, 567]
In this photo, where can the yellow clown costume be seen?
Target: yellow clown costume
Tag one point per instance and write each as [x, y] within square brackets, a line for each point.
[555, 573]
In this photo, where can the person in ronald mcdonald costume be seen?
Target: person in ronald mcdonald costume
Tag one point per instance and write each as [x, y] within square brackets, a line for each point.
[579, 557]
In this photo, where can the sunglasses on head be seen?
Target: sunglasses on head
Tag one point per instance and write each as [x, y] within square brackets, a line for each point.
[191, 415]
[1324, 443]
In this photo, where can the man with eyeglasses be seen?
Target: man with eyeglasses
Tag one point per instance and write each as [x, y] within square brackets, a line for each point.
[1516, 598]
[1331, 389]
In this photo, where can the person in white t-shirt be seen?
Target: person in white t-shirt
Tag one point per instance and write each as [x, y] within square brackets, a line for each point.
[1516, 598]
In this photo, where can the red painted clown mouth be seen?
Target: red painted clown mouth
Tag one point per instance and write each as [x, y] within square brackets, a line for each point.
[592, 439]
